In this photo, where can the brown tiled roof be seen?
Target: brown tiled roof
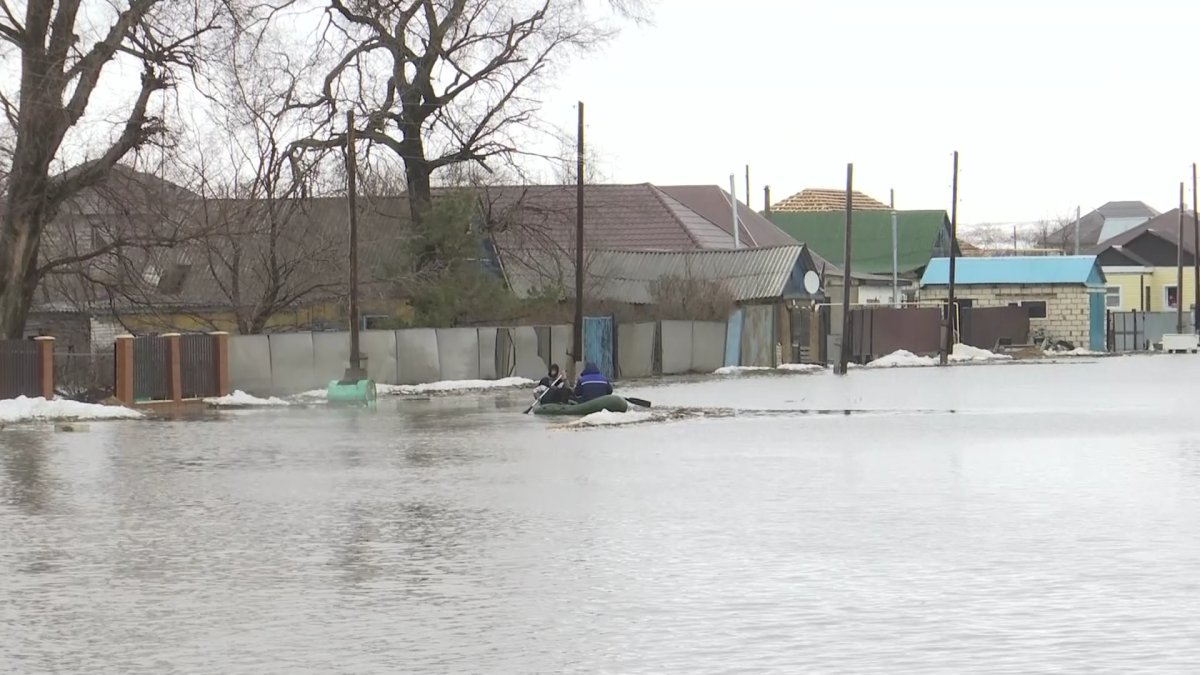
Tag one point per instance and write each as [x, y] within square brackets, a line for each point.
[826, 200]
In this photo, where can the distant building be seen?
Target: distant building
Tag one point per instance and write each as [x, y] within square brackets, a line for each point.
[1141, 265]
[1106, 222]
[818, 201]
[1063, 294]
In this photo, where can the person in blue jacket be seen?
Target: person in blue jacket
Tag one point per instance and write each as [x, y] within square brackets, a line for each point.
[592, 384]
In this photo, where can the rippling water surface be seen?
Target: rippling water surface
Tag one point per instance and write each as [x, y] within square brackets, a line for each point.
[980, 519]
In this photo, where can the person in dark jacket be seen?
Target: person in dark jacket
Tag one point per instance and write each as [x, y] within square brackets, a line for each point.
[553, 388]
[592, 384]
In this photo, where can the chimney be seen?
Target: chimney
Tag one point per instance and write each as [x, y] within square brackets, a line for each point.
[767, 200]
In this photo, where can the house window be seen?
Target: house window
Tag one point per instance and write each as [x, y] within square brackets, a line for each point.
[1112, 297]
[1170, 297]
[1036, 308]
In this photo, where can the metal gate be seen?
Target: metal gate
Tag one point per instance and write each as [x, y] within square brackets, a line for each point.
[19, 369]
[150, 369]
[598, 343]
[197, 368]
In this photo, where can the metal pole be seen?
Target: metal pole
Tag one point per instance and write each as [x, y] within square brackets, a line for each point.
[766, 199]
[950, 305]
[355, 372]
[1179, 266]
[895, 254]
[847, 343]
[1195, 250]
[737, 235]
[1078, 217]
[577, 341]
[747, 185]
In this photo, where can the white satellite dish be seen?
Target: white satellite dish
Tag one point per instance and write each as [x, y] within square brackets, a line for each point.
[812, 282]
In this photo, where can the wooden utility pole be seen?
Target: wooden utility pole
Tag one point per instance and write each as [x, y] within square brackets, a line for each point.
[577, 343]
[948, 348]
[355, 371]
[766, 199]
[1179, 265]
[748, 186]
[1195, 251]
[847, 342]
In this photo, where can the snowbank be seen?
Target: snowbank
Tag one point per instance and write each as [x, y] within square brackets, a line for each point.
[607, 418]
[1078, 351]
[966, 354]
[902, 359]
[783, 368]
[39, 409]
[447, 386]
[240, 399]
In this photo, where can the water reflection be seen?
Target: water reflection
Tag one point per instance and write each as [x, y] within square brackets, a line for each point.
[29, 484]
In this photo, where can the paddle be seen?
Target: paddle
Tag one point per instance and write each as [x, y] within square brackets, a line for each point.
[539, 398]
[638, 401]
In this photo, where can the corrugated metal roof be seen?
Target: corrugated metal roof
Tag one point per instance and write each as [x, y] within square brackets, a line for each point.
[628, 276]
[1080, 269]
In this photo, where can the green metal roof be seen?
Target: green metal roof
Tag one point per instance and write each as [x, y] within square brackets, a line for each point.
[921, 237]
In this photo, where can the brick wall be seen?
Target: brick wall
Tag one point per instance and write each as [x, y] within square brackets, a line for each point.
[1067, 310]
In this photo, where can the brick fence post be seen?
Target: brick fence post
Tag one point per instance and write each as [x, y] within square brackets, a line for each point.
[123, 384]
[174, 367]
[220, 347]
[46, 366]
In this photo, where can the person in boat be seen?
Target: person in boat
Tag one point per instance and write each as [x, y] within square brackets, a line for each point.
[592, 384]
[553, 388]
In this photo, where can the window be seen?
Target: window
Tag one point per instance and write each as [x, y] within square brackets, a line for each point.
[1037, 308]
[1170, 297]
[1112, 297]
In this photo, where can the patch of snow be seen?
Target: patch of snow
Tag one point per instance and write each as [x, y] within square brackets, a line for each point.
[902, 358]
[24, 409]
[784, 367]
[1078, 351]
[240, 399]
[453, 386]
[607, 418]
[966, 353]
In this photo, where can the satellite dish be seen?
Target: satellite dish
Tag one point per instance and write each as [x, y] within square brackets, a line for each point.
[812, 282]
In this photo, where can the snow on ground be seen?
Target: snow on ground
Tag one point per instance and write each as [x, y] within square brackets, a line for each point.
[902, 358]
[453, 386]
[966, 353]
[240, 399]
[24, 409]
[785, 368]
[1078, 351]
[607, 418]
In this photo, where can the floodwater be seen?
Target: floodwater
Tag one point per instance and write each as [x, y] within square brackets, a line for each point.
[1008, 519]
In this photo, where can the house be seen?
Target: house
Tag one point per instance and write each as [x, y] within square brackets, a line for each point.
[921, 236]
[1141, 265]
[1104, 223]
[823, 201]
[1064, 294]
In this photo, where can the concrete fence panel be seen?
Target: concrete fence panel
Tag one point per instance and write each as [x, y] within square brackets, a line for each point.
[708, 346]
[379, 346]
[331, 357]
[635, 349]
[417, 359]
[488, 360]
[458, 353]
[676, 347]
[291, 363]
[561, 341]
[528, 363]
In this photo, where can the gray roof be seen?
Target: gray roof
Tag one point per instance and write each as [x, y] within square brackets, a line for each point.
[628, 276]
[1104, 223]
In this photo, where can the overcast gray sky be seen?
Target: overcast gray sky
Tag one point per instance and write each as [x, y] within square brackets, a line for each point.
[1052, 103]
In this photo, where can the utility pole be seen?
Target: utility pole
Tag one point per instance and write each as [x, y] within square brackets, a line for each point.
[737, 235]
[766, 199]
[577, 338]
[1078, 217]
[847, 342]
[747, 185]
[1179, 266]
[895, 253]
[948, 349]
[355, 371]
[1195, 251]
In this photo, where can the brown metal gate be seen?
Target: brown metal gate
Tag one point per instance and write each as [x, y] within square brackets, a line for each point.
[19, 369]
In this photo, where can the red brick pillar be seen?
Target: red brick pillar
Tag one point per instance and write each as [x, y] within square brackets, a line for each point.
[220, 346]
[46, 366]
[123, 386]
[174, 368]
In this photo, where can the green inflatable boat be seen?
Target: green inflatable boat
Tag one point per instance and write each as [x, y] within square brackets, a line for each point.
[612, 403]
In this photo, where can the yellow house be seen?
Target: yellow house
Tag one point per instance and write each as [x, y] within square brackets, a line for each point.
[1141, 266]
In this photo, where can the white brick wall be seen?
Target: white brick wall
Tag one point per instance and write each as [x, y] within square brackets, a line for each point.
[1068, 313]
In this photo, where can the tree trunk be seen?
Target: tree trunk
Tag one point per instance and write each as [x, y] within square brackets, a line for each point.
[19, 238]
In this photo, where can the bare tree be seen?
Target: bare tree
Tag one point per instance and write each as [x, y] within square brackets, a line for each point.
[64, 48]
[446, 82]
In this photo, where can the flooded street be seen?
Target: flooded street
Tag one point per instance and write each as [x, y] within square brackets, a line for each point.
[1021, 518]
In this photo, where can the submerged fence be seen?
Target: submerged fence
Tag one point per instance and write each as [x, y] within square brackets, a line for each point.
[1142, 331]
[171, 367]
[27, 368]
